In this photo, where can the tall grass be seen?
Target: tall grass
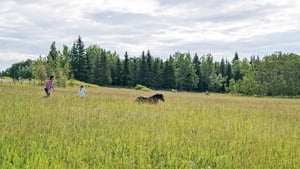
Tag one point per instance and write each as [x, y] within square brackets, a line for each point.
[108, 129]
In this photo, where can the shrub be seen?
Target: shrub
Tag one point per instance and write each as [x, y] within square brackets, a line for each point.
[141, 87]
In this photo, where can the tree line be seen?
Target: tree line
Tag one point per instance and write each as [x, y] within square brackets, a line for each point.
[273, 75]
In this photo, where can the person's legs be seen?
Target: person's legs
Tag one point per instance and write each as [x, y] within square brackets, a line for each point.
[47, 93]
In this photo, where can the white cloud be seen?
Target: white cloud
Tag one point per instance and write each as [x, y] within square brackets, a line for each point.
[14, 56]
[162, 26]
[9, 58]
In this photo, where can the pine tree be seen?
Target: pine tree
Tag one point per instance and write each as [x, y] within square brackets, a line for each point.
[117, 73]
[97, 72]
[79, 61]
[125, 72]
[207, 69]
[82, 61]
[134, 71]
[197, 65]
[74, 61]
[52, 60]
[228, 74]
[143, 69]
[105, 75]
[236, 70]
[222, 68]
[53, 54]
[185, 73]
[236, 57]
[156, 71]
[169, 79]
[92, 52]
[148, 72]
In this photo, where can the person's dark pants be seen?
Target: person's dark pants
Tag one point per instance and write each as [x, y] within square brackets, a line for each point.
[47, 92]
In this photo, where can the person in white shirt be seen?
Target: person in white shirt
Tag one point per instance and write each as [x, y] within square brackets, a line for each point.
[81, 92]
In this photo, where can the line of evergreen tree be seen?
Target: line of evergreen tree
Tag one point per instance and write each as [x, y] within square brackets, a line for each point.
[277, 74]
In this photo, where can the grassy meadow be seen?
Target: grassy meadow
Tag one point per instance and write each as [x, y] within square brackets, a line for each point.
[108, 129]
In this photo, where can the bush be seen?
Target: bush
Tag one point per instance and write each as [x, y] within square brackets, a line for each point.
[141, 87]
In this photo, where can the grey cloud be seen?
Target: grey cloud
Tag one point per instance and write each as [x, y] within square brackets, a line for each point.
[125, 23]
[117, 18]
[31, 26]
[254, 14]
[284, 41]
[195, 3]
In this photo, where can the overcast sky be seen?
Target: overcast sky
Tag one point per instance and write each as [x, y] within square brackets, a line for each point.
[219, 27]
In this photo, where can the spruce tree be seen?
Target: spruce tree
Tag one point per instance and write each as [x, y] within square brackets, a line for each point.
[82, 61]
[97, 71]
[105, 75]
[222, 68]
[168, 74]
[156, 71]
[117, 73]
[207, 69]
[143, 69]
[236, 57]
[134, 71]
[52, 60]
[148, 72]
[197, 65]
[125, 72]
[228, 73]
[186, 74]
[79, 61]
[74, 61]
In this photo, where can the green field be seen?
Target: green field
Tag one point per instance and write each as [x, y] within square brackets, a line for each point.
[108, 129]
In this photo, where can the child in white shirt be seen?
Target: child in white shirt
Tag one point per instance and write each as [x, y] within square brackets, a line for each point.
[81, 92]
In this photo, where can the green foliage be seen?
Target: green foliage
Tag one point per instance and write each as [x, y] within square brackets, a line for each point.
[279, 74]
[79, 63]
[142, 79]
[117, 73]
[97, 72]
[248, 86]
[134, 71]
[125, 71]
[157, 70]
[186, 78]
[274, 75]
[197, 65]
[168, 74]
[61, 79]
[39, 70]
[141, 87]
[207, 70]
[21, 70]
[76, 83]
[57, 64]
[216, 82]
[233, 87]
[236, 70]
[104, 71]
[228, 73]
